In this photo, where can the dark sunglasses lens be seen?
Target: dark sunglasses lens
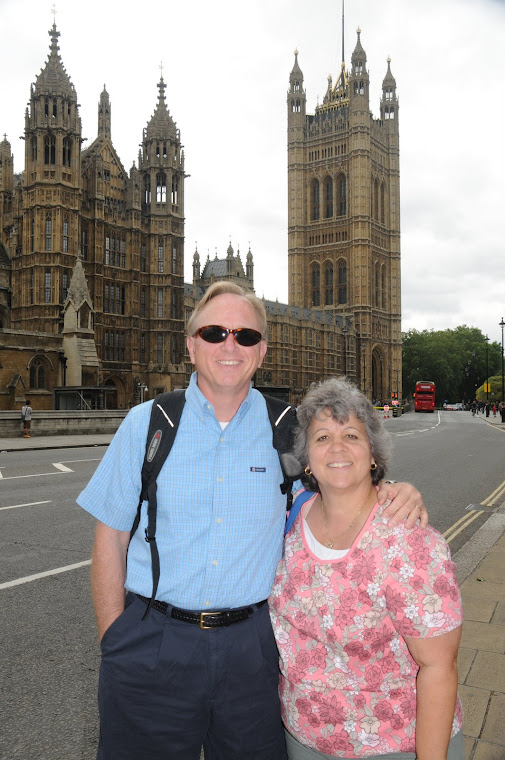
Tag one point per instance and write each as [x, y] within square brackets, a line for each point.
[247, 336]
[213, 334]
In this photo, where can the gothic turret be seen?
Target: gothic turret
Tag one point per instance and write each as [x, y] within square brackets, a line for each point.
[389, 100]
[196, 266]
[6, 166]
[296, 94]
[104, 116]
[52, 124]
[359, 79]
[161, 161]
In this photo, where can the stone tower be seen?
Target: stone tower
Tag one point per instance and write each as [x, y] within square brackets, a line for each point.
[344, 217]
[49, 229]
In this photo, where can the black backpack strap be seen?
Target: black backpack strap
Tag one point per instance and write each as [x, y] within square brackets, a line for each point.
[282, 418]
[163, 424]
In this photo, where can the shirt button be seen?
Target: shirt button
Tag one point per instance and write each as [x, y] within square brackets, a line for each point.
[207, 604]
[220, 480]
[214, 561]
[221, 439]
[218, 520]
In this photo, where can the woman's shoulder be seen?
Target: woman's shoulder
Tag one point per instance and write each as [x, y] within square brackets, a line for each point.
[407, 537]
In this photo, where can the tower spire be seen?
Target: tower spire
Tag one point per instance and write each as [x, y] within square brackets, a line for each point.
[343, 52]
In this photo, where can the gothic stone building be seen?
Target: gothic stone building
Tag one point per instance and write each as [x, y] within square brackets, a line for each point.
[344, 216]
[89, 254]
[92, 298]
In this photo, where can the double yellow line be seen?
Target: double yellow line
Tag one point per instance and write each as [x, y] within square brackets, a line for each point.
[473, 514]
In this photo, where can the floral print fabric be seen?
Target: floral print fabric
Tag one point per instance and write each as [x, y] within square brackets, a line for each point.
[348, 681]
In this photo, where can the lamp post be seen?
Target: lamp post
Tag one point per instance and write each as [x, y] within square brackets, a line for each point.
[502, 325]
[487, 367]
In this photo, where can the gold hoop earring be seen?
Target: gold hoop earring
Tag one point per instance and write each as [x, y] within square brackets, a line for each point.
[308, 471]
[373, 467]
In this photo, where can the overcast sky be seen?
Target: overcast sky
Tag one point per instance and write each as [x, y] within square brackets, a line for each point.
[226, 65]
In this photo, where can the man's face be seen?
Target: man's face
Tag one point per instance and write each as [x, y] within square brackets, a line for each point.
[227, 366]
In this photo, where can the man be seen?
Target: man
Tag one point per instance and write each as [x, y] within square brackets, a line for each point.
[26, 418]
[168, 683]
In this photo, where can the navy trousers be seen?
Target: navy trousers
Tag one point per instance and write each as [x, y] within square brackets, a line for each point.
[167, 688]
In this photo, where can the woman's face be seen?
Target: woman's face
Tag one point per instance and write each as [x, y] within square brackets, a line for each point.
[339, 452]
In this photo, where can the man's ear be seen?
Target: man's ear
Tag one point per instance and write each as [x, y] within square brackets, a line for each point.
[190, 343]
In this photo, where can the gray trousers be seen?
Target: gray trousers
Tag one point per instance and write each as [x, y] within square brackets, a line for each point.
[297, 751]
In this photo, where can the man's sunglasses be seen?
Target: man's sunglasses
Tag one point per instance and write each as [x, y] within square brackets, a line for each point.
[245, 336]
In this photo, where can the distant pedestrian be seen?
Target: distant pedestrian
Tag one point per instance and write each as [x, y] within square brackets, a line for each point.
[26, 418]
[494, 410]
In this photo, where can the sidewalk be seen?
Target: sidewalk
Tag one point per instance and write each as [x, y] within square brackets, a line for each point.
[481, 572]
[54, 442]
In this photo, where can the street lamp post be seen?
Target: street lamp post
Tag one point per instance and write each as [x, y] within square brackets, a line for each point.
[502, 325]
[487, 367]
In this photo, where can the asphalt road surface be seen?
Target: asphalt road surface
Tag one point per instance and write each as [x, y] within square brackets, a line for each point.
[50, 657]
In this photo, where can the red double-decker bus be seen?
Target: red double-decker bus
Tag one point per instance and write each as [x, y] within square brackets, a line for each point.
[424, 396]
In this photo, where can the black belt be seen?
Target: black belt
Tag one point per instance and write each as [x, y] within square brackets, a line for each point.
[206, 619]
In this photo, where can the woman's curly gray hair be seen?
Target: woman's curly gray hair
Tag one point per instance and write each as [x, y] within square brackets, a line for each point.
[340, 398]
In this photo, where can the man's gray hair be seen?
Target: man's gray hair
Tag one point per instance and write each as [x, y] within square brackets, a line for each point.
[223, 287]
[341, 398]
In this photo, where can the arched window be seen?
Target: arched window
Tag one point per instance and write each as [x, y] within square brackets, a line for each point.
[37, 374]
[65, 235]
[376, 199]
[161, 188]
[342, 195]
[316, 284]
[383, 286]
[328, 197]
[175, 190]
[32, 235]
[161, 256]
[382, 204]
[67, 151]
[315, 200]
[34, 148]
[159, 313]
[147, 189]
[49, 234]
[47, 286]
[328, 283]
[376, 285]
[342, 281]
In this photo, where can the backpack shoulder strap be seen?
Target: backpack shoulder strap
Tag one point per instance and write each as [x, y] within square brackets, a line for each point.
[300, 500]
[282, 418]
[163, 425]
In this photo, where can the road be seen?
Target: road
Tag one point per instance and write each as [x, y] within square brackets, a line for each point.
[49, 663]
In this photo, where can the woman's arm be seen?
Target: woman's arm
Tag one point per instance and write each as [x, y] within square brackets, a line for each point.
[406, 504]
[437, 685]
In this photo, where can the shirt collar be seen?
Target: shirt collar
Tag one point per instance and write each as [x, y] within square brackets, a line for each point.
[195, 397]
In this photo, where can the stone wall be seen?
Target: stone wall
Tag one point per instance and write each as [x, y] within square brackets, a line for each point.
[61, 422]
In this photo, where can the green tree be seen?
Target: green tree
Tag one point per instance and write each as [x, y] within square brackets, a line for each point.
[455, 360]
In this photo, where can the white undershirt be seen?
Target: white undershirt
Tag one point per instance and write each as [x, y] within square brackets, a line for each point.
[321, 551]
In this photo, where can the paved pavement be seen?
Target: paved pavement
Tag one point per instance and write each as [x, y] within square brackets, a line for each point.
[481, 571]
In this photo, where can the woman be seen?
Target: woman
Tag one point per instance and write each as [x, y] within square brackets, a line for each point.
[367, 617]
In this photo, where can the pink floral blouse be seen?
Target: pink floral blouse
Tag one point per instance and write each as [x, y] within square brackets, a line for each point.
[348, 682]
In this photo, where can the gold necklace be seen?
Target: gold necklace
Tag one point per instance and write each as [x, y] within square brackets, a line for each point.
[330, 543]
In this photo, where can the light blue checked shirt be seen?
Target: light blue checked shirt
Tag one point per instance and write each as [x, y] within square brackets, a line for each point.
[221, 513]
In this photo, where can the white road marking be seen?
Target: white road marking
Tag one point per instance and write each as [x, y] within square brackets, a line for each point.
[29, 504]
[62, 467]
[38, 576]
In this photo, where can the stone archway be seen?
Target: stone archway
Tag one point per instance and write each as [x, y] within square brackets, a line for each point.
[117, 400]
